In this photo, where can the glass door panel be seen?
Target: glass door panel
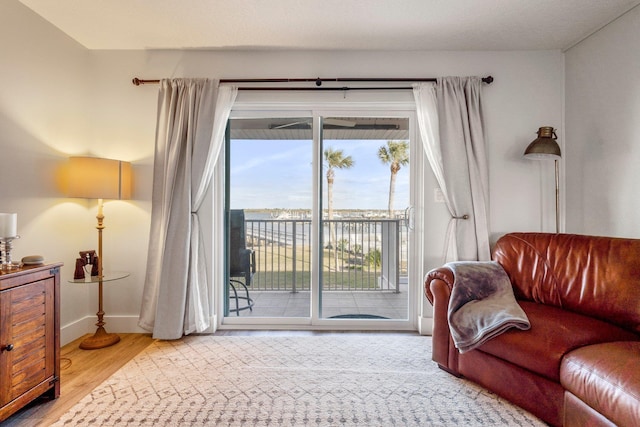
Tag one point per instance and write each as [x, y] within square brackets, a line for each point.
[269, 180]
[364, 230]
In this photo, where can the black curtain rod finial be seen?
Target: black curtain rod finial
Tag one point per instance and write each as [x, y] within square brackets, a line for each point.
[488, 80]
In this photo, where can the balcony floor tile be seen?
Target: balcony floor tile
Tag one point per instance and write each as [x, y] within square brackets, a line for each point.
[286, 304]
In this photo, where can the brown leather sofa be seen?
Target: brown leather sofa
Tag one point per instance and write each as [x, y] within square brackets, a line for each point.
[579, 363]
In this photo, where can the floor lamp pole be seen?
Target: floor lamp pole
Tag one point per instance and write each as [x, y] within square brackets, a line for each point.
[557, 196]
[101, 338]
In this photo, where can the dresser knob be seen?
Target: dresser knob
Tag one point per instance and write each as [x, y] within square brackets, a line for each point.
[8, 347]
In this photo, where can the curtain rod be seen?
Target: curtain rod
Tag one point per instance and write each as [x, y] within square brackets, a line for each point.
[318, 81]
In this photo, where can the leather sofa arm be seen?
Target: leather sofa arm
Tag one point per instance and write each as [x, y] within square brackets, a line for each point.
[437, 288]
[443, 274]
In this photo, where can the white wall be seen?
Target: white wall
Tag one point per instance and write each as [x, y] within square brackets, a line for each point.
[603, 131]
[104, 114]
[43, 104]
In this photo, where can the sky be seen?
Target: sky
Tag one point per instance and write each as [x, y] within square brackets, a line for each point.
[277, 174]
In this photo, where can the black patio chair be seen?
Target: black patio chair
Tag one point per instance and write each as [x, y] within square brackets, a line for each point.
[242, 263]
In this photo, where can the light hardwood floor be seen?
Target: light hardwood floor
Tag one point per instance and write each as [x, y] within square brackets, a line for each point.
[80, 372]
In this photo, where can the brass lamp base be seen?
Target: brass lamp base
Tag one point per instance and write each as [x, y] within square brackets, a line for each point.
[100, 339]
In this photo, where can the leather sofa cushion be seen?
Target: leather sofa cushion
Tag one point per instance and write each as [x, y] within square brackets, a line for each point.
[579, 414]
[594, 276]
[554, 332]
[607, 378]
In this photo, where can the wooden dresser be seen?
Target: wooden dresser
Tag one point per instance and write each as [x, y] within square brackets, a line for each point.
[29, 336]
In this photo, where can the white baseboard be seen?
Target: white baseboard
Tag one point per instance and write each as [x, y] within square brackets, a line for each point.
[124, 324]
[129, 324]
[76, 329]
[87, 325]
[425, 325]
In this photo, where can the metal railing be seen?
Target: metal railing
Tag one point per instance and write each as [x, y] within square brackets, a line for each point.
[357, 254]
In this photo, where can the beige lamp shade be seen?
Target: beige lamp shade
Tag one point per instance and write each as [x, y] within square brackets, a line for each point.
[96, 178]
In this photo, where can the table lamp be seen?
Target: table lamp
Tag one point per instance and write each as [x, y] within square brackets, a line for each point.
[97, 178]
[545, 147]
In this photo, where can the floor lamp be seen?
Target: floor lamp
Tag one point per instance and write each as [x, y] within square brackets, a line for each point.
[96, 178]
[545, 147]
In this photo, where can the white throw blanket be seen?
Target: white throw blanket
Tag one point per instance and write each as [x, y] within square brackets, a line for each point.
[482, 304]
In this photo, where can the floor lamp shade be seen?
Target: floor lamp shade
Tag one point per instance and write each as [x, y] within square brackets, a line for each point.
[545, 147]
[96, 178]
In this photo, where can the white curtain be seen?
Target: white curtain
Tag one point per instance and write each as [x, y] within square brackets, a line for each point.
[192, 116]
[451, 127]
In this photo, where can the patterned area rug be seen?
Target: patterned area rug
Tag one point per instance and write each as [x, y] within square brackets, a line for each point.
[339, 379]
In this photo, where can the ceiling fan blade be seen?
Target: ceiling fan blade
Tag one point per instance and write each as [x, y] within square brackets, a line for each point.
[286, 125]
[330, 122]
[339, 122]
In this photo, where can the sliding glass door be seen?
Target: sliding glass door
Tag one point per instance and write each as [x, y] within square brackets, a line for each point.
[317, 220]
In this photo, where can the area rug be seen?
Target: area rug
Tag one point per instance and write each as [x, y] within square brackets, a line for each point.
[339, 379]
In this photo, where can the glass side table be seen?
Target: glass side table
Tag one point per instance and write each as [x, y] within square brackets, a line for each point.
[101, 338]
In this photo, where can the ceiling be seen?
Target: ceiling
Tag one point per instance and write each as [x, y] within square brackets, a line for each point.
[330, 24]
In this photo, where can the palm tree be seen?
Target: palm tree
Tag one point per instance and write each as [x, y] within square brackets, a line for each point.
[334, 159]
[395, 154]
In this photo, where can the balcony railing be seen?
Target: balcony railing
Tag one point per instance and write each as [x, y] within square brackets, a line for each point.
[357, 254]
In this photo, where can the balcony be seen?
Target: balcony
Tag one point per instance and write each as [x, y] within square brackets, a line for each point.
[364, 267]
